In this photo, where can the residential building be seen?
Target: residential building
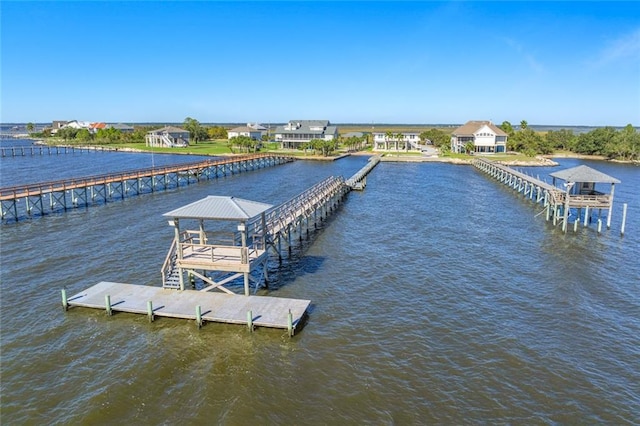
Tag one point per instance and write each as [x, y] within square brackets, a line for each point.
[247, 131]
[407, 141]
[168, 136]
[487, 138]
[297, 132]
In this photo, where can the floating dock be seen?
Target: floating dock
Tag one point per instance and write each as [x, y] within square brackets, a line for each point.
[263, 311]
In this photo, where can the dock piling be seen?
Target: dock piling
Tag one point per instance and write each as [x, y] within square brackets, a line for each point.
[199, 316]
[150, 310]
[65, 304]
[107, 302]
[250, 320]
[624, 218]
[290, 323]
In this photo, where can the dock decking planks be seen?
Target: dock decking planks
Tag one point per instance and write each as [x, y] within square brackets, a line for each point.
[267, 311]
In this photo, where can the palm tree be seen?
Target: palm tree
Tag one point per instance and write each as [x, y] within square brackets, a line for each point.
[523, 124]
[388, 137]
[400, 139]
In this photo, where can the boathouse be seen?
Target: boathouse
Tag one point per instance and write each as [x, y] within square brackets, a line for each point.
[581, 191]
[221, 255]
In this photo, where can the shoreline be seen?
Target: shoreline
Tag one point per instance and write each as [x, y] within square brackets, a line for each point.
[543, 160]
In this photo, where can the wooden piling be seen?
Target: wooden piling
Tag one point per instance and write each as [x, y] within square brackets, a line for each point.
[107, 303]
[624, 218]
[150, 310]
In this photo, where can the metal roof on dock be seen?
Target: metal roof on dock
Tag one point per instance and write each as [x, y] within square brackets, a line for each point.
[584, 174]
[216, 207]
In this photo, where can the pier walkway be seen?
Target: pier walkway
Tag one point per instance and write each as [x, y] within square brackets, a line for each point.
[213, 262]
[578, 193]
[41, 198]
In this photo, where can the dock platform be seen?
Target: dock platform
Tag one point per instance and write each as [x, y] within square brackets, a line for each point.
[266, 311]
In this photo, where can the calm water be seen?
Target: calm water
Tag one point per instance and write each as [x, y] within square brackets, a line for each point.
[437, 298]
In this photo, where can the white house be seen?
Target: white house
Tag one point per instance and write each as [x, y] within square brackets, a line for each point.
[401, 141]
[297, 132]
[168, 136]
[487, 138]
[247, 131]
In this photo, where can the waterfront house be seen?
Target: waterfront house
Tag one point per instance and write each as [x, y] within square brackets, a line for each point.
[167, 136]
[401, 141]
[297, 132]
[487, 138]
[247, 131]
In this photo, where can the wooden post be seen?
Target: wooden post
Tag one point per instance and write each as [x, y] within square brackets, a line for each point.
[65, 303]
[624, 218]
[290, 323]
[199, 316]
[246, 283]
[107, 303]
[599, 225]
[613, 187]
[575, 225]
[250, 320]
[150, 310]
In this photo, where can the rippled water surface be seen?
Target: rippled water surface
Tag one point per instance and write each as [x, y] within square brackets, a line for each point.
[438, 297]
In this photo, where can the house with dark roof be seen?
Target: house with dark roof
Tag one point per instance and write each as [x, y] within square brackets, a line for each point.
[487, 138]
[297, 132]
[168, 136]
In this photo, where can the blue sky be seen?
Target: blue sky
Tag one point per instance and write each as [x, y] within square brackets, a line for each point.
[560, 63]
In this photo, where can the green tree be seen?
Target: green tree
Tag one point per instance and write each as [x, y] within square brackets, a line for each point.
[217, 132]
[595, 141]
[469, 147]
[625, 145]
[436, 137]
[196, 131]
[561, 139]
[507, 128]
[524, 125]
[30, 127]
[83, 135]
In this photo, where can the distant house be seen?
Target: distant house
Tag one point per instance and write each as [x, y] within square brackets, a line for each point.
[487, 138]
[297, 132]
[94, 127]
[168, 136]
[249, 132]
[57, 125]
[124, 128]
[408, 141]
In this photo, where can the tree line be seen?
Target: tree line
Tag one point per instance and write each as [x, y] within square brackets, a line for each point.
[623, 144]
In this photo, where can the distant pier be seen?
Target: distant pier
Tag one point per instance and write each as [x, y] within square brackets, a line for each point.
[38, 199]
[571, 203]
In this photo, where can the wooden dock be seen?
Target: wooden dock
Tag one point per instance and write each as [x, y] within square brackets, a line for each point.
[266, 311]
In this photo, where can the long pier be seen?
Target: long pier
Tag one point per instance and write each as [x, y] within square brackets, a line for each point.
[200, 255]
[557, 202]
[42, 198]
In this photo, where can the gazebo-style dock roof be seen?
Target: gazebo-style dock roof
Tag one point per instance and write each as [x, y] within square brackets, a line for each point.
[232, 254]
[580, 192]
[584, 174]
[216, 207]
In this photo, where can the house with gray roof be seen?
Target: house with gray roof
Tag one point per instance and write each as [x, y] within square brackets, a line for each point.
[168, 136]
[487, 138]
[297, 132]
